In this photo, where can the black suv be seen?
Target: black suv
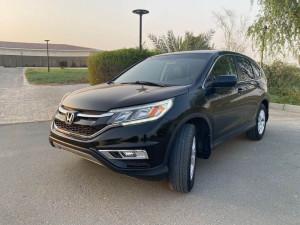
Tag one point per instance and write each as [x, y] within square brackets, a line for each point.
[156, 117]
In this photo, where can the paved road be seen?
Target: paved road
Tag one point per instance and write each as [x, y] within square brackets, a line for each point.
[20, 102]
[244, 182]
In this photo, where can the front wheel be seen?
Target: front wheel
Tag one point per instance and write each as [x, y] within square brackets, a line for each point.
[182, 159]
[258, 131]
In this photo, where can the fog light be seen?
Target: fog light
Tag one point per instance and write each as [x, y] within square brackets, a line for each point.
[129, 154]
[124, 154]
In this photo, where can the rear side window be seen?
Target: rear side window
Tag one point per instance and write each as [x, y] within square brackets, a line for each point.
[245, 69]
[224, 66]
[256, 71]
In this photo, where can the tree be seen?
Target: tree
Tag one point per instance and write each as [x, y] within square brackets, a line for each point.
[276, 29]
[171, 43]
[234, 29]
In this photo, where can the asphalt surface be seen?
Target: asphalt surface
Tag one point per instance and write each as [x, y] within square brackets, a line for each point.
[244, 182]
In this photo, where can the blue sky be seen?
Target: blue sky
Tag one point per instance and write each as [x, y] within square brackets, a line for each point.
[105, 24]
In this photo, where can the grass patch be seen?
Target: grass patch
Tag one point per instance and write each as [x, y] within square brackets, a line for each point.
[57, 76]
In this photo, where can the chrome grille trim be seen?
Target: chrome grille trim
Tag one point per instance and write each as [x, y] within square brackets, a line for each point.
[64, 111]
[94, 116]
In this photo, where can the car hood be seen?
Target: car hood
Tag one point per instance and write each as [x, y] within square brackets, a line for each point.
[105, 97]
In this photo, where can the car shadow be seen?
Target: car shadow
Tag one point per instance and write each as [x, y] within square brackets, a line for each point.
[209, 174]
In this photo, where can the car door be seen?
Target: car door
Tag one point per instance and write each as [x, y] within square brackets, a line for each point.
[222, 99]
[247, 88]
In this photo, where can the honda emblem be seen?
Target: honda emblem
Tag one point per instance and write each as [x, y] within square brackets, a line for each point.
[69, 118]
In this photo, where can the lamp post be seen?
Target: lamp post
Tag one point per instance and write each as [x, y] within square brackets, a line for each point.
[140, 12]
[22, 59]
[47, 41]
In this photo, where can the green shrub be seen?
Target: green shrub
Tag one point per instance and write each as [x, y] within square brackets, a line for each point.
[283, 82]
[105, 65]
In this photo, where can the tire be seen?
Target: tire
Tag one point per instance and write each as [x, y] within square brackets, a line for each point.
[182, 159]
[258, 131]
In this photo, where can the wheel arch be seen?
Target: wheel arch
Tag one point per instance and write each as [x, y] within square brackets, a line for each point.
[265, 102]
[197, 119]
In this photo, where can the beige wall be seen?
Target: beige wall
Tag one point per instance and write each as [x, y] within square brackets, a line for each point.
[34, 52]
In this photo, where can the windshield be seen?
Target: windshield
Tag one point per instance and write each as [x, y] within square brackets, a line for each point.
[180, 69]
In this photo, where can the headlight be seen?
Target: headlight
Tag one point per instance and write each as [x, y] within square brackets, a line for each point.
[140, 114]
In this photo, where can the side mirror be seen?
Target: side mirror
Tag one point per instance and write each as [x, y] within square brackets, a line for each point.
[224, 81]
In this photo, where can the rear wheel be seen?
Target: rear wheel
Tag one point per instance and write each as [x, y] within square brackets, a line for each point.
[182, 161]
[258, 131]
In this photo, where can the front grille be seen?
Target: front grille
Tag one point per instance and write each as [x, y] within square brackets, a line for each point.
[78, 129]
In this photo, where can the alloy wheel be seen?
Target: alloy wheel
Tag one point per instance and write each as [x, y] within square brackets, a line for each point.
[193, 159]
[261, 122]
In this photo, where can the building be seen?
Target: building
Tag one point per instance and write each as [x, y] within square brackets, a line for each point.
[19, 54]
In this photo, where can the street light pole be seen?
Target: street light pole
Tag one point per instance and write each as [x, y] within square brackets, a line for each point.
[140, 12]
[48, 54]
[141, 16]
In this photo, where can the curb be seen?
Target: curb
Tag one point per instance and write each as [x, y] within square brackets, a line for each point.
[285, 107]
[25, 81]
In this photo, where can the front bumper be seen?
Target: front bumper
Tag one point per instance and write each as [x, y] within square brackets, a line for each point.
[152, 138]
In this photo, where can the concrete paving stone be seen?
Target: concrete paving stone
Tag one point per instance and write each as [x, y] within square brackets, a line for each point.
[21, 102]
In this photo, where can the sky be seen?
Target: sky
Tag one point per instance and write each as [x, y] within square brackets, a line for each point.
[110, 24]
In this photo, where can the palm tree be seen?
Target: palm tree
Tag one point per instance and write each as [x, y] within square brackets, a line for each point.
[171, 43]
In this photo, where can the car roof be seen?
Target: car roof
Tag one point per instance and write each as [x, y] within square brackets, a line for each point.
[212, 52]
[201, 52]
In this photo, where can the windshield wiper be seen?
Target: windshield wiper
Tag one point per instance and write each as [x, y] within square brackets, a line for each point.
[146, 83]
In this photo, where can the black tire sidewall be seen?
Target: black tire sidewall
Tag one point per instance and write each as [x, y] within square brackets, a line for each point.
[180, 159]
[191, 181]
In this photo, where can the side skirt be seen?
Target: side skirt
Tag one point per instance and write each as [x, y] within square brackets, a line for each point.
[231, 135]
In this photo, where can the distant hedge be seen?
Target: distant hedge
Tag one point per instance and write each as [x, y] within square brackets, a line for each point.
[283, 82]
[106, 65]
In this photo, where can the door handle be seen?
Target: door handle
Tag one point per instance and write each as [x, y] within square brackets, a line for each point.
[240, 90]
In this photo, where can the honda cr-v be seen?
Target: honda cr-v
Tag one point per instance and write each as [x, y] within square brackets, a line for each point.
[156, 117]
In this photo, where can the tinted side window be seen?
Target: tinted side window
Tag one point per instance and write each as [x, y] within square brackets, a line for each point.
[224, 66]
[246, 72]
[256, 71]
